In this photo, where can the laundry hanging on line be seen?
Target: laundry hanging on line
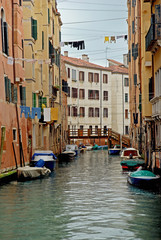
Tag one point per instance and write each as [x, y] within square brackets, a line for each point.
[76, 44]
[114, 38]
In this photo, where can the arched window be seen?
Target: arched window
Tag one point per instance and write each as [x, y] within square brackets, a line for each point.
[4, 33]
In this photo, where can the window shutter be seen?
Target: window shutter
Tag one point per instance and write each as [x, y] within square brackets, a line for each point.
[34, 99]
[44, 101]
[42, 40]
[9, 90]
[48, 16]
[34, 28]
[53, 26]
[2, 32]
[6, 38]
[40, 101]
[6, 88]
[15, 94]
[24, 96]
[135, 79]
[158, 21]
[59, 36]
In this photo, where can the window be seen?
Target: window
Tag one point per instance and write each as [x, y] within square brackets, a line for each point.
[105, 78]
[68, 91]
[91, 112]
[48, 16]
[73, 75]
[81, 76]
[74, 92]
[126, 82]
[96, 129]
[90, 129]
[105, 112]
[105, 95]
[53, 27]
[82, 112]
[93, 94]
[74, 111]
[42, 40]
[23, 95]
[20, 2]
[126, 130]
[126, 97]
[81, 94]
[69, 111]
[4, 33]
[81, 127]
[90, 77]
[96, 77]
[126, 113]
[33, 99]
[96, 112]
[68, 72]
[14, 132]
[34, 28]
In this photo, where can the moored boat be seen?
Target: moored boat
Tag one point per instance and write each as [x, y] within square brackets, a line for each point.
[115, 150]
[132, 164]
[66, 156]
[143, 179]
[130, 153]
[30, 173]
[73, 147]
[47, 156]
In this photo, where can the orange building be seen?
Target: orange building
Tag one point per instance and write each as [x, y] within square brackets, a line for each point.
[13, 126]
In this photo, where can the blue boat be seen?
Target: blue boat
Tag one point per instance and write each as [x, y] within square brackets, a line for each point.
[143, 179]
[114, 151]
[47, 156]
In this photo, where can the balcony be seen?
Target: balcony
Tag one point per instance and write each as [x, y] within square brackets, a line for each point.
[156, 107]
[150, 38]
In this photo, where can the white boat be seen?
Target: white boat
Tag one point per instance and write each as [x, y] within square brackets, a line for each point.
[29, 173]
[47, 156]
[72, 147]
[130, 153]
[66, 156]
[88, 147]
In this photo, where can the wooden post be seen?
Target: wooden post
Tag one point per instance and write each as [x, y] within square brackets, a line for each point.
[3, 130]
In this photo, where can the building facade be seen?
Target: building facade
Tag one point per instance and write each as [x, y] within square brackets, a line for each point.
[42, 31]
[13, 127]
[96, 96]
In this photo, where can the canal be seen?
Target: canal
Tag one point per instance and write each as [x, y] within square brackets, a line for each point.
[85, 200]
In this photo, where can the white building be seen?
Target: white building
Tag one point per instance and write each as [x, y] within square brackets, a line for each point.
[97, 97]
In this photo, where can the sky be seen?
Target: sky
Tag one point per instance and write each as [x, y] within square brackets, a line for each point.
[91, 21]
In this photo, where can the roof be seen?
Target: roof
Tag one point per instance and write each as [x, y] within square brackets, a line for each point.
[115, 62]
[82, 63]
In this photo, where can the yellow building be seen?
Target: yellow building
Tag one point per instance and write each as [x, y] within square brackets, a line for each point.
[134, 46]
[153, 46]
[42, 30]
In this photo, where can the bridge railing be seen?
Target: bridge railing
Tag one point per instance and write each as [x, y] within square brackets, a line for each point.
[87, 132]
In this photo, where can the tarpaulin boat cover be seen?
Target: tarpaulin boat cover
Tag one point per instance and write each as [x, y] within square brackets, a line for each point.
[32, 172]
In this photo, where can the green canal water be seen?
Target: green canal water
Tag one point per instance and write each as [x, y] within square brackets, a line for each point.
[85, 200]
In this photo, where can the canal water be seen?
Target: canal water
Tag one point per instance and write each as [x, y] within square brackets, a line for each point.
[85, 200]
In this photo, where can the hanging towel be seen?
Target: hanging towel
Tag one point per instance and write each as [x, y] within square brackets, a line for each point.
[47, 114]
[25, 110]
[54, 114]
[113, 39]
[106, 39]
[125, 37]
[36, 111]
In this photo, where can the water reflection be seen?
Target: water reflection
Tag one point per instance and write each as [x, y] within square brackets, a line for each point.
[85, 200]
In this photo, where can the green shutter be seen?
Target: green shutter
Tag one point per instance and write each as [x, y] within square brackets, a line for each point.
[6, 88]
[42, 40]
[59, 36]
[24, 96]
[33, 99]
[40, 101]
[48, 16]
[44, 101]
[34, 28]
[140, 102]
[15, 94]
[6, 38]
[9, 90]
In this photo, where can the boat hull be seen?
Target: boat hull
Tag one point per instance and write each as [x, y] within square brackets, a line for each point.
[66, 157]
[48, 157]
[114, 151]
[131, 165]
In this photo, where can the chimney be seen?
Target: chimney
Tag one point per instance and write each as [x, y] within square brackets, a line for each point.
[66, 53]
[85, 57]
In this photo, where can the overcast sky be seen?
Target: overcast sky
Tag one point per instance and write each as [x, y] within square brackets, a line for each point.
[91, 21]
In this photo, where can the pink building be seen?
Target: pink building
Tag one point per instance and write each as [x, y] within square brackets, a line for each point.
[14, 137]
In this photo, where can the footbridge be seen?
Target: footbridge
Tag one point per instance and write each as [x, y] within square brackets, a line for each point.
[103, 136]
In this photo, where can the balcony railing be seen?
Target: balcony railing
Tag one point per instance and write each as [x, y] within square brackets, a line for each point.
[150, 37]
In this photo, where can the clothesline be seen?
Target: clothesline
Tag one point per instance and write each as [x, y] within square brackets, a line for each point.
[76, 44]
[114, 38]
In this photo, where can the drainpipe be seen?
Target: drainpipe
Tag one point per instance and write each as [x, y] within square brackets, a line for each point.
[14, 76]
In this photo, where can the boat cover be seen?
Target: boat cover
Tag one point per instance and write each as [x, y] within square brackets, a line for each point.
[44, 154]
[131, 163]
[142, 173]
[32, 172]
